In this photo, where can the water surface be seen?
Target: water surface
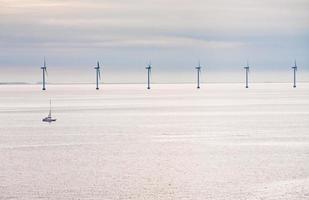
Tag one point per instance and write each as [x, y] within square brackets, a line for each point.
[173, 142]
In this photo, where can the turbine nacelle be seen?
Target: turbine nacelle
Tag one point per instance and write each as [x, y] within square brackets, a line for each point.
[98, 66]
[295, 66]
[199, 65]
[247, 68]
[44, 68]
[98, 69]
[198, 70]
[148, 67]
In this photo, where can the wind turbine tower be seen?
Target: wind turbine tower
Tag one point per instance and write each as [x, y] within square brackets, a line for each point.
[98, 74]
[198, 68]
[247, 74]
[294, 69]
[44, 70]
[149, 75]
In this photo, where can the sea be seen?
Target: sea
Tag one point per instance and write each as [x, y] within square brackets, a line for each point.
[171, 142]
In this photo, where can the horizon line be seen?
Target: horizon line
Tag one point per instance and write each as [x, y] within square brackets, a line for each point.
[132, 83]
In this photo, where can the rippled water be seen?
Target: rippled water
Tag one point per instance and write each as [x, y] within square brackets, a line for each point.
[173, 142]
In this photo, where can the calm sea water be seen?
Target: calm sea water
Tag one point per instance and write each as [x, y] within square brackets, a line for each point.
[173, 142]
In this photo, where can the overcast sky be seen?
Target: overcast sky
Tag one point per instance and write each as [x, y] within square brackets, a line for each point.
[174, 34]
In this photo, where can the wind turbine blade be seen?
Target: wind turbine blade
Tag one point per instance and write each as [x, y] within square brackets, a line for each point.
[46, 71]
[99, 72]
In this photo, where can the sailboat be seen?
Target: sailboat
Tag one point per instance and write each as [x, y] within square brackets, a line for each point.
[49, 118]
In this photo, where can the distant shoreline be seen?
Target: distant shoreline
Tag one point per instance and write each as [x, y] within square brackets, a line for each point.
[24, 83]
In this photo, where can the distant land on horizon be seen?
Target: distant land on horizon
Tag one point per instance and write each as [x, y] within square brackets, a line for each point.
[132, 83]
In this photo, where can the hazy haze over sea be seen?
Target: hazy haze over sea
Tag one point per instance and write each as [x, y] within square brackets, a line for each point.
[173, 142]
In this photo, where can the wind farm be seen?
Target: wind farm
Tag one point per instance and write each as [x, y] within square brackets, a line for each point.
[149, 75]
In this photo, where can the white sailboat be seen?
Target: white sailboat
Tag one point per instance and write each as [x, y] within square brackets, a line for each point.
[49, 118]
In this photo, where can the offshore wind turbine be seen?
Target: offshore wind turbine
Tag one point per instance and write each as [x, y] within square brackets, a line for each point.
[198, 68]
[44, 71]
[247, 74]
[98, 74]
[294, 69]
[148, 75]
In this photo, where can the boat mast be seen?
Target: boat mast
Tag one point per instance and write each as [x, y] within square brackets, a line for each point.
[49, 108]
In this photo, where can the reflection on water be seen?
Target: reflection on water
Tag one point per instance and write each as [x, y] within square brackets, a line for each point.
[173, 142]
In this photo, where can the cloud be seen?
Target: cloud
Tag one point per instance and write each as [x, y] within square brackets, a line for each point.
[213, 20]
[182, 30]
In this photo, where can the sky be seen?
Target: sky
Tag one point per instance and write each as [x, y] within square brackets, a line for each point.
[124, 35]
